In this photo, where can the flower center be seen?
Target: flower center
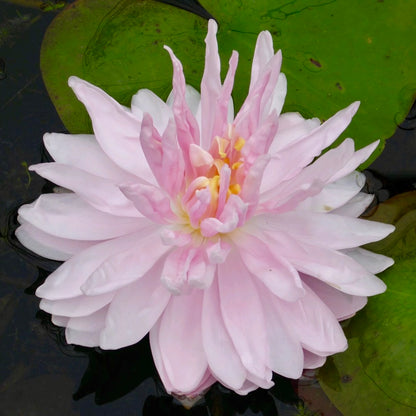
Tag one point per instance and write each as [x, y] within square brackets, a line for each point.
[218, 174]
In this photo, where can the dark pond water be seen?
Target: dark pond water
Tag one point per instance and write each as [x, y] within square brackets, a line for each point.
[39, 373]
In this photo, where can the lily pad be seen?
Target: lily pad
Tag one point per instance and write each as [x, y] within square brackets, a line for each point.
[335, 52]
[379, 368]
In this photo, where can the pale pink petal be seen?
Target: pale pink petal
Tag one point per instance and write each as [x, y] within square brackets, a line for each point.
[292, 127]
[163, 154]
[186, 125]
[232, 216]
[263, 52]
[84, 338]
[210, 86]
[127, 266]
[75, 307]
[279, 94]
[66, 281]
[223, 359]
[373, 262]
[243, 315]
[90, 323]
[134, 310]
[180, 341]
[285, 351]
[59, 320]
[314, 325]
[328, 265]
[312, 360]
[341, 304]
[146, 101]
[290, 160]
[79, 150]
[49, 246]
[355, 206]
[99, 192]
[334, 195]
[280, 277]
[68, 216]
[116, 129]
[150, 201]
[326, 230]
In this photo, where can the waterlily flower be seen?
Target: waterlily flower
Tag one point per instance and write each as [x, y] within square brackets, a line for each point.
[225, 237]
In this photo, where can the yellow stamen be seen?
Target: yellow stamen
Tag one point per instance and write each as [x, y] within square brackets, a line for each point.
[235, 189]
[239, 144]
[236, 165]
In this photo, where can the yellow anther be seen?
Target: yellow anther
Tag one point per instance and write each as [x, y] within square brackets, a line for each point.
[239, 144]
[235, 189]
[236, 165]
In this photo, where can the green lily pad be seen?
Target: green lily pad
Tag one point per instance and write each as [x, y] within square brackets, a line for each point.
[335, 52]
[379, 368]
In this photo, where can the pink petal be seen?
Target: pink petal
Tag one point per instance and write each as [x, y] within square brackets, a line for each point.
[373, 262]
[66, 281]
[180, 341]
[314, 325]
[84, 338]
[326, 230]
[134, 310]
[78, 150]
[222, 357]
[289, 161]
[163, 155]
[285, 351]
[210, 86]
[90, 323]
[279, 276]
[150, 201]
[334, 195]
[186, 125]
[328, 265]
[68, 216]
[313, 361]
[146, 101]
[101, 193]
[355, 206]
[75, 307]
[243, 314]
[263, 52]
[233, 216]
[49, 246]
[341, 304]
[116, 129]
[292, 127]
[125, 267]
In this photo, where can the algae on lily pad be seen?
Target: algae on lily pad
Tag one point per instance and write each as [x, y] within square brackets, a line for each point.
[378, 371]
[334, 53]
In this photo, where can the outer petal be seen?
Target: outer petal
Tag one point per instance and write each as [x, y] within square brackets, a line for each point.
[285, 351]
[180, 327]
[314, 324]
[68, 216]
[223, 359]
[134, 310]
[341, 304]
[243, 314]
[79, 150]
[66, 281]
[101, 193]
[49, 246]
[116, 129]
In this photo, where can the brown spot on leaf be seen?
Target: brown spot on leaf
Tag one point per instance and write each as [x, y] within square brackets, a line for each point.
[316, 63]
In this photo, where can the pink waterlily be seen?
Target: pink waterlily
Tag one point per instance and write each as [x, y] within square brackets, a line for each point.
[222, 236]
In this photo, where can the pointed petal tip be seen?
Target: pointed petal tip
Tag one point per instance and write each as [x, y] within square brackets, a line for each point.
[212, 27]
